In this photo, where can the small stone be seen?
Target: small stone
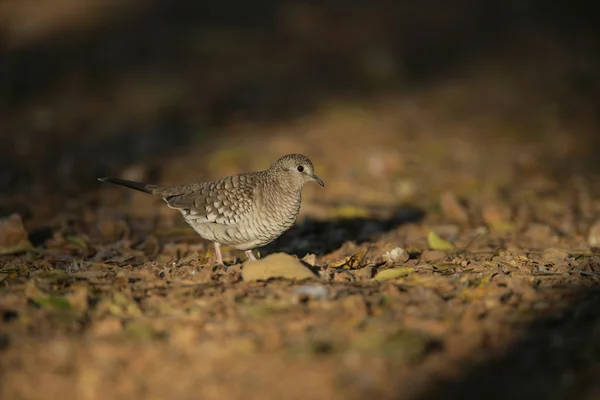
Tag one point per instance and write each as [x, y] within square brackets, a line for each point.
[396, 255]
[278, 265]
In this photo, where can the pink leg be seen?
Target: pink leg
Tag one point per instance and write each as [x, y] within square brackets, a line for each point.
[218, 254]
[250, 255]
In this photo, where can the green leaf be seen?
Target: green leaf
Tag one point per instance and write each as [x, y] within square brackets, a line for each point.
[77, 241]
[55, 302]
[437, 243]
[393, 273]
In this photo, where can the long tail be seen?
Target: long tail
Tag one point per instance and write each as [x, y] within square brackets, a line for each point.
[142, 187]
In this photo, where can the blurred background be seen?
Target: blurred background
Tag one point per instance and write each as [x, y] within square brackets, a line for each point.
[393, 101]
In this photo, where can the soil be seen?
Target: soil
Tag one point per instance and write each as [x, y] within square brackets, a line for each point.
[454, 246]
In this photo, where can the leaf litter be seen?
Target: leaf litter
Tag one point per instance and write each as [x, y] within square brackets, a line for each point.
[408, 298]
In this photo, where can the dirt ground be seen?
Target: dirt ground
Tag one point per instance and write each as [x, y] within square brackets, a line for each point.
[454, 246]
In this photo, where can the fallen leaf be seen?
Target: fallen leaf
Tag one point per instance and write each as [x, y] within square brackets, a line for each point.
[497, 216]
[278, 265]
[310, 259]
[393, 273]
[54, 275]
[106, 326]
[119, 306]
[364, 273]
[501, 226]
[350, 212]
[437, 243]
[354, 260]
[594, 234]
[54, 302]
[404, 344]
[453, 209]
[343, 276]
[91, 273]
[139, 330]
[436, 281]
[554, 255]
[432, 255]
[350, 262]
[485, 280]
[78, 299]
[77, 241]
[13, 236]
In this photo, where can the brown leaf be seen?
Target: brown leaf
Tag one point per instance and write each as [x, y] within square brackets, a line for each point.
[594, 235]
[351, 262]
[453, 209]
[13, 236]
[497, 216]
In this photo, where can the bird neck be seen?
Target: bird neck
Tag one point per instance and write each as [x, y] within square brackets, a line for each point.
[277, 188]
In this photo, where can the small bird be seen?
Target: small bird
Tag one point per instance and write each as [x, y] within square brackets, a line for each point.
[244, 211]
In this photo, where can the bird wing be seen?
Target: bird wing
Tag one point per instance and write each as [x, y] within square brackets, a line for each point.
[223, 202]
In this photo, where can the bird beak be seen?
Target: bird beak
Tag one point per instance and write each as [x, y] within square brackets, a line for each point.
[318, 180]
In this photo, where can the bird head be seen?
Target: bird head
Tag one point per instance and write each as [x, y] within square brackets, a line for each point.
[297, 169]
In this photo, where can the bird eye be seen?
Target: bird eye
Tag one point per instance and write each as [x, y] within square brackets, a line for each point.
[300, 168]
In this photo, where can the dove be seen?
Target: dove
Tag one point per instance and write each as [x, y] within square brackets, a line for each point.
[243, 211]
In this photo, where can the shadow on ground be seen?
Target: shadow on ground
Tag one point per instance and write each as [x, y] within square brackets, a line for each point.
[323, 237]
[557, 357]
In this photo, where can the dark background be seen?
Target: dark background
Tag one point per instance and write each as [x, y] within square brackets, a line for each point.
[193, 67]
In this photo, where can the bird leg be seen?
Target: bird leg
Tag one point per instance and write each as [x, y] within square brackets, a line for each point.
[250, 255]
[218, 254]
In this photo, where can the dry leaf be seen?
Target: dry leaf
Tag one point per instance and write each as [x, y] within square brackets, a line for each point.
[594, 234]
[453, 209]
[497, 216]
[13, 236]
[351, 262]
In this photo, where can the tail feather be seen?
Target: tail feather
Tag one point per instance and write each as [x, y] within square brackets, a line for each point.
[142, 187]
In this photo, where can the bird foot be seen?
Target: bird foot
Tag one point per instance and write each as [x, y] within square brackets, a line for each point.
[219, 256]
